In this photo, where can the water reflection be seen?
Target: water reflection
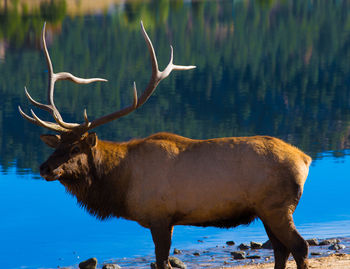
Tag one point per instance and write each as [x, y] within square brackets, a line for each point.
[260, 71]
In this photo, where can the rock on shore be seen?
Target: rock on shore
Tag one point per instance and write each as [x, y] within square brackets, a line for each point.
[228, 254]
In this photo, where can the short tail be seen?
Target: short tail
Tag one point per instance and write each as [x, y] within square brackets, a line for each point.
[307, 160]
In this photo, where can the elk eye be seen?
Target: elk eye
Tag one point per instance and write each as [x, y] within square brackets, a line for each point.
[75, 150]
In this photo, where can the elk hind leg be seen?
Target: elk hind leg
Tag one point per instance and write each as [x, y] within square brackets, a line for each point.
[281, 251]
[284, 230]
[161, 235]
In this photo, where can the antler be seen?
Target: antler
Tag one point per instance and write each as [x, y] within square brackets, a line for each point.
[61, 126]
[156, 77]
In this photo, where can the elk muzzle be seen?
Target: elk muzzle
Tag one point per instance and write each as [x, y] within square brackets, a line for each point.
[48, 173]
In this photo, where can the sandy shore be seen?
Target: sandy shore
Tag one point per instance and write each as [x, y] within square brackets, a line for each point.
[331, 253]
[334, 261]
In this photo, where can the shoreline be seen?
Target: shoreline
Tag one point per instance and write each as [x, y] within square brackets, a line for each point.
[333, 261]
[255, 255]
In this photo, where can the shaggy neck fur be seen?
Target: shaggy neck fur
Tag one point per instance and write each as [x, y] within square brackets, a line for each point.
[101, 191]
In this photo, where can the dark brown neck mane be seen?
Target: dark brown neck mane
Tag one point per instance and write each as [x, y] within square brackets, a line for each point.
[102, 192]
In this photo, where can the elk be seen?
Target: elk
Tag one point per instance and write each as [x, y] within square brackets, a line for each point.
[166, 179]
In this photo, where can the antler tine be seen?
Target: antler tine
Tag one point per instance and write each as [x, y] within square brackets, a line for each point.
[35, 103]
[24, 115]
[37, 121]
[156, 77]
[49, 125]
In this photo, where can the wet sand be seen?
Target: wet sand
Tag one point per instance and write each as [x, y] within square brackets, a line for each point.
[334, 261]
[320, 256]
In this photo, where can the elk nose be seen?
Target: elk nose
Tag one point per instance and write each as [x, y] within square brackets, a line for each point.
[44, 169]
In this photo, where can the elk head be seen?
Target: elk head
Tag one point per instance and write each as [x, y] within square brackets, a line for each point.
[74, 144]
[72, 154]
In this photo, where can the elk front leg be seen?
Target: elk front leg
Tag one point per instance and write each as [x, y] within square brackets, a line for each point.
[161, 235]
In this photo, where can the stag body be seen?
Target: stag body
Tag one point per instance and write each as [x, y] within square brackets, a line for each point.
[165, 179]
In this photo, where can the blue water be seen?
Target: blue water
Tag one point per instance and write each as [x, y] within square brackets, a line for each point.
[41, 225]
[279, 68]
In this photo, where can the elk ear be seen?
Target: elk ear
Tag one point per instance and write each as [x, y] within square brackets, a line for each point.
[91, 139]
[51, 140]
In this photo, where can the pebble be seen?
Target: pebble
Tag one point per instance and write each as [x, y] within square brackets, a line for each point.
[238, 255]
[337, 247]
[196, 254]
[255, 245]
[88, 264]
[316, 253]
[243, 246]
[175, 262]
[253, 257]
[230, 243]
[111, 266]
[329, 242]
[312, 242]
[177, 251]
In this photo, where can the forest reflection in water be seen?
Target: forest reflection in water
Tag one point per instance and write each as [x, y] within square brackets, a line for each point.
[278, 68]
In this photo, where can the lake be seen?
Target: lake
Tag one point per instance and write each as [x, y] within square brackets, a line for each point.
[278, 68]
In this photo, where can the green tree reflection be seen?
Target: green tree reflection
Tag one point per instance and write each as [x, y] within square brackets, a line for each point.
[278, 68]
[18, 25]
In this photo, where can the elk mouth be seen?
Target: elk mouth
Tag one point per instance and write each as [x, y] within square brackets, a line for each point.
[48, 174]
[51, 177]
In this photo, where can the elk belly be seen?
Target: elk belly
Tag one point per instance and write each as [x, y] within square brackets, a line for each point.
[185, 196]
